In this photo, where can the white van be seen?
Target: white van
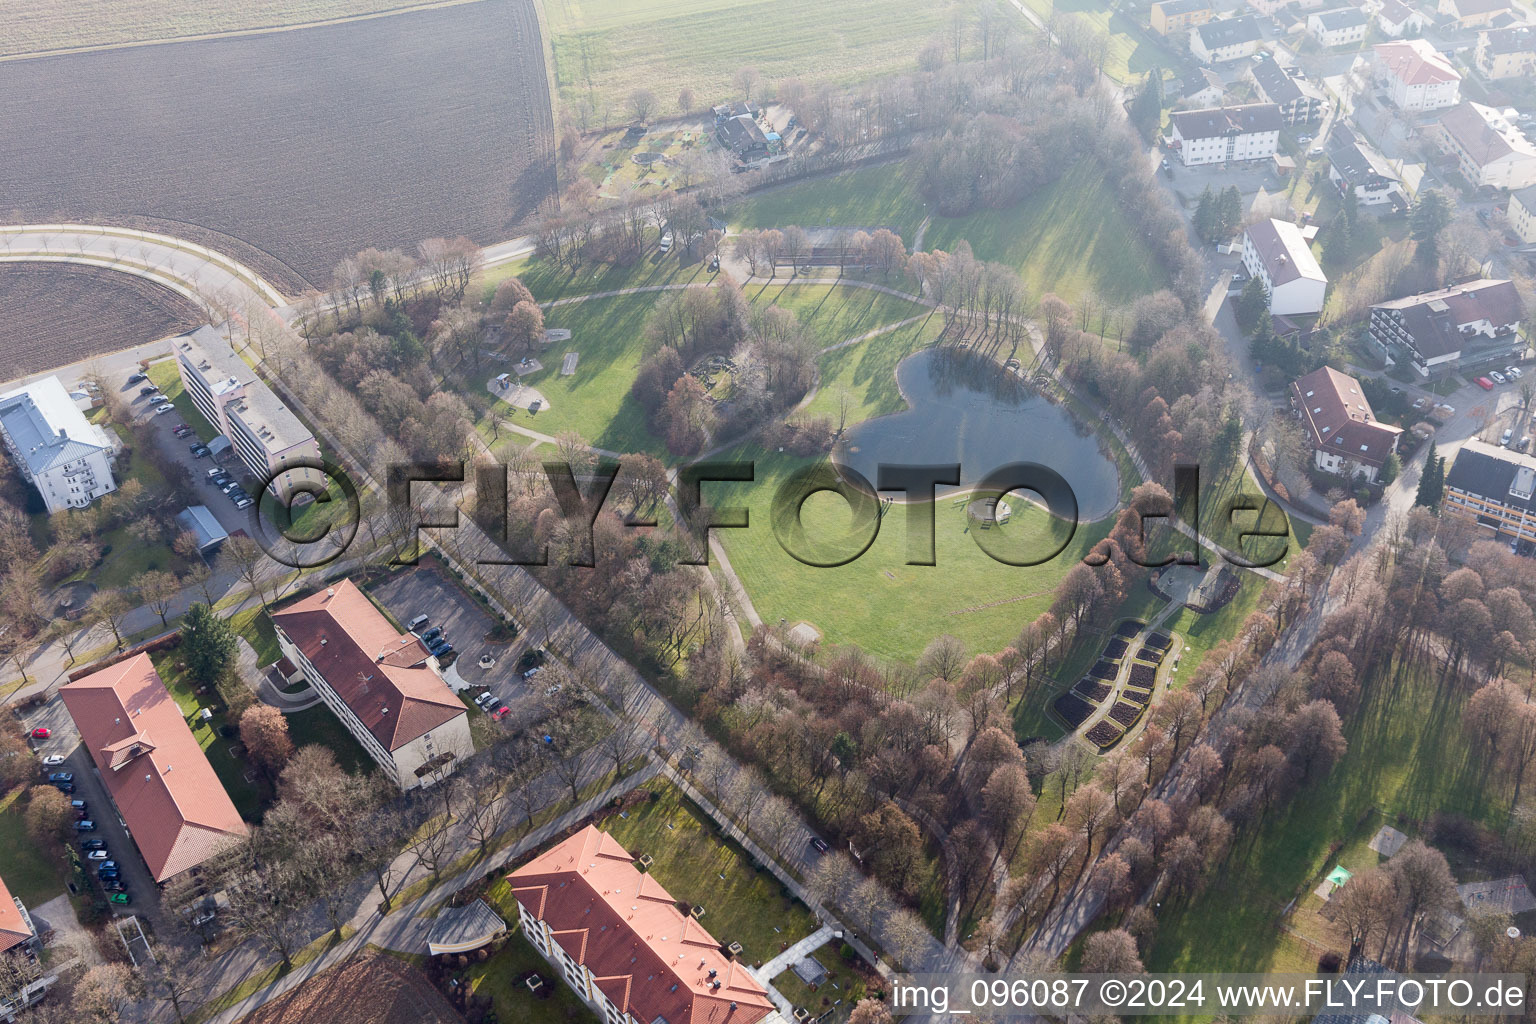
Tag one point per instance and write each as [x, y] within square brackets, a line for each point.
[416, 623]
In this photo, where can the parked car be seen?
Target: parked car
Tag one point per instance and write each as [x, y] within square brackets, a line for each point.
[442, 651]
[230, 486]
[666, 241]
[1303, 138]
[161, 410]
[120, 898]
[820, 844]
[533, 671]
[431, 634]
[1504, 440]
[116, 885]
[1498, 378]
[40, 733]
[93, 844]
[1484, 383]
[148, 389]
[416, 623]
[106, 874]
[98, 854]
[61, 777]
[53, 760]
[532, 658]
[243, 503]
[203, 917]
[482, 699]
[85, 826]
[134, 378]
[181, 431]
[500, 713]
[221, 480]
[553, 690]
[1524, 444]
[63, 787]
[1513, 372]
[490, 705]
[77, 805]
[200, 451]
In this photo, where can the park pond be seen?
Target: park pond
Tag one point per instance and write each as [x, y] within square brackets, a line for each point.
[964, 408]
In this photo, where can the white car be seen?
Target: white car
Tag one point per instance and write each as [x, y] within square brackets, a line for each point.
[1513, 372]
[1498, 378]
[53, 760]
[1303, 138]
[161, 410]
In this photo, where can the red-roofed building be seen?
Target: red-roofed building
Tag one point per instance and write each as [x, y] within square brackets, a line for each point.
[620, 941]
[165, 791]
[383, 685]
[1345, 435]
[16, 930]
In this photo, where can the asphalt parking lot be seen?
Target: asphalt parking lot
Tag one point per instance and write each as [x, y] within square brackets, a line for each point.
[426, 590]
[180, 450]
[135, 873]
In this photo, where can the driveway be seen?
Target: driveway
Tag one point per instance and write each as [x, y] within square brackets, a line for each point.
[135, 873]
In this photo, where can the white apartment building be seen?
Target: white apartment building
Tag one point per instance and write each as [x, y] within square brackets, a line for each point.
[1275, 252]
[1488, 147]
[1219, 135]
[1343, 26]
[264, 432]
[1228, 39]
[55, 448]
[1416, 75]
[382, 685]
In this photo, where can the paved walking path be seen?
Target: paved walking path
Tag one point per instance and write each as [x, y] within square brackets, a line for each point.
[793, 955]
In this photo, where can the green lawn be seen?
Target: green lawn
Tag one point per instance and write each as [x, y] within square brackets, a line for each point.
[609, 334]
[230, 770]
[842, 986]
[319, 725]
[1407, 757]
[864, 375]
[1067, 238]
[604, 49]
[501, 976]
[34, 875]
[878, 602]
[881, 196]
[167, 377]
[1133, 50]
[694, 863]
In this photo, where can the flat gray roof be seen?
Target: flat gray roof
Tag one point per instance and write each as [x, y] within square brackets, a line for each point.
[217, 363]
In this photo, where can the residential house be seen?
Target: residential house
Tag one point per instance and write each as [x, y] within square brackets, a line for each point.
[384, 686]
[68, 459]
[622, 943]
[1226, 134]
[744, 137]
[1345, 436]
[1506, 52]
[1275, 252]
[1475, 13]
[739, 108]
[1300, 101]
[1342, 26]
[1416, 75]
[1280, 8]
[1396, 19]
[1488, 147]
[1476, 323]
[166, 793]
[263, 432]
[1522, 214]
[1355, 166]
[1175, 17]
[1495, 488]
[1203, 88]
[1228, 39]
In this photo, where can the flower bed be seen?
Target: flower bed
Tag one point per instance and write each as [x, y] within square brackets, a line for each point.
[1072, 709]
[1126, 713]
[1092, 690]
[1104, 670]
[1144, 676]
[1116, 648]
[1104, 734]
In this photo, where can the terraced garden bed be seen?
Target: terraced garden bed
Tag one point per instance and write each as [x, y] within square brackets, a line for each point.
[1126, 713]
[1092, 689]
[1144, 676]
[1073, 709]
[1104, 734]
[1136, 695]
[1128, 628]
[1116, 648]
[1159, 640]
[1104, 670]
[1151, 654]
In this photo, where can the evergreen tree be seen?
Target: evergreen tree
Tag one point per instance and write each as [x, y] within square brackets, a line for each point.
[1432, 482]
[1339, 247]
[1229, 212]
[1390, 469]
[1205, 216]
[1430, 217]
[1253, 301]
[1147, 107]
[207, 644]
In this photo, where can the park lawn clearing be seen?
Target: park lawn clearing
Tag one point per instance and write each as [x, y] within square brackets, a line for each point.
[1132, 50]
[29, 871]
[1408, 758]
[605, 49]
[1068, 237]
[742, 903]
[878, 602]
[865, 374]
[879, 196]
[834, 313]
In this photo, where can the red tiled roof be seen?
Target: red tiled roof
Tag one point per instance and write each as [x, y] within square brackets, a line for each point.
[13, 927]
[159, 778]
[1415, 62]
[1339, 418]
[379, 673]
[646, 955]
